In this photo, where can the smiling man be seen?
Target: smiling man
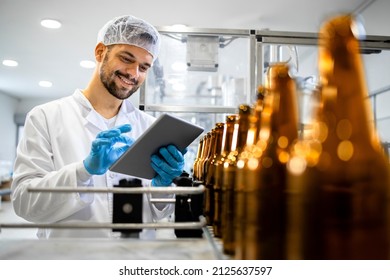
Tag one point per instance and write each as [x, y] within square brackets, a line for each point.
[74, 140]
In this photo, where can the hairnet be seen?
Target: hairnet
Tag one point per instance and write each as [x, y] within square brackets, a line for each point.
[131, 31]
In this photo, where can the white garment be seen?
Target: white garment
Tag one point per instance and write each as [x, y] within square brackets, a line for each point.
[57, 138]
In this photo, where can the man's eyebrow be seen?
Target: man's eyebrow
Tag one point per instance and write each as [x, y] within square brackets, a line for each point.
[132, 56]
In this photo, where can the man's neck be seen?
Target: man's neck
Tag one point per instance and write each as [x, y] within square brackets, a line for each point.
[103, 102]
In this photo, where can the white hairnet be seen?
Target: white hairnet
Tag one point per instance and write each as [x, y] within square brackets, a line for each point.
[131, 31]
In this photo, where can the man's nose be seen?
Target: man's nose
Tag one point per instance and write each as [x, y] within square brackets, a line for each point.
[133, 70]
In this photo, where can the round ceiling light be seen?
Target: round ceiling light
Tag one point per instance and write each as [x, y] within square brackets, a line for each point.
[45, 84]
[51, 23]
[9, 62]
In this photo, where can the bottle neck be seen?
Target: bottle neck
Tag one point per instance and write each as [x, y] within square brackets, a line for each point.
[243, 130]
[280, 115]
[218, 142]
[344, 94]
[228, 135]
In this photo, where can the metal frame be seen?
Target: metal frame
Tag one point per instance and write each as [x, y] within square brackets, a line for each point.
[207, 32]
[306, 38]
[159, 190]
[256, 56]
[311, 39]
[202, 224]
[368, 44]
[136, 190]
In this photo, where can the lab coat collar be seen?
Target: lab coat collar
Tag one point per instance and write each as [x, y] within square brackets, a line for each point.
[124, 113]
[88, 112]
[93, 117]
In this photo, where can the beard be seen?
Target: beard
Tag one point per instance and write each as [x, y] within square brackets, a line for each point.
[108, 79]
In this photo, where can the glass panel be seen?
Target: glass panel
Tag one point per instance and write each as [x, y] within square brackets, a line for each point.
[303, 64]
[195, 70]
[209, 74]
[212, 73]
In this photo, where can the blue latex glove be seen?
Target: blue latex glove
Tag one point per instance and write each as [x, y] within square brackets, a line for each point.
[169, 164]
[104, 152]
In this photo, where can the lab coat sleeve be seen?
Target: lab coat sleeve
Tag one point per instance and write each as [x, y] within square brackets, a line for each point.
[34, 167]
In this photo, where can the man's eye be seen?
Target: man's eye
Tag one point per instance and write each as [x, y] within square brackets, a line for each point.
[143, 68]
[127, 60]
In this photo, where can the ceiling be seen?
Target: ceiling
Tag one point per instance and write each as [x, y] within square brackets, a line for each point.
[54, 55]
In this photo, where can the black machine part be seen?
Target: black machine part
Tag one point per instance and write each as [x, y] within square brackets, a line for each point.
[127, 208]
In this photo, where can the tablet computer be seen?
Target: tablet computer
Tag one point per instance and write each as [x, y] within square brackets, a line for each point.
[165, 130]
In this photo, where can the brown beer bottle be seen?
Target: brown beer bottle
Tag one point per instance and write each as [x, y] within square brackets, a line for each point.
[340, 182]
[210, 176]
[195, 174]
[229, 177]
[203, 159]
[225, 149]
[210, 153]
[250, 148]
[206, 168]
[264, 176]
[258, 107]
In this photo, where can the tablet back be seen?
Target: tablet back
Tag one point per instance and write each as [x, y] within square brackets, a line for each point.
[166, 130]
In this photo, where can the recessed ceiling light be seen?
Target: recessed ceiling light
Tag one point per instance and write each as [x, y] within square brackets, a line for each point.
[46, 84]
[9, 62]
[51, 23]
[87, 64]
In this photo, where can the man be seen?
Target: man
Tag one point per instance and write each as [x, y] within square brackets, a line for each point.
[74, 140]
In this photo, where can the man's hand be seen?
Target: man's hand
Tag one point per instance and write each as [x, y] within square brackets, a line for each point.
[104, 152]
[169, 164]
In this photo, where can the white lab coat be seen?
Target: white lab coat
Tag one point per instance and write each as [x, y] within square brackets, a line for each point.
[57, 138]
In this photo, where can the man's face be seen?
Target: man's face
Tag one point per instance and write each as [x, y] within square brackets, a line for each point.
[124, 69]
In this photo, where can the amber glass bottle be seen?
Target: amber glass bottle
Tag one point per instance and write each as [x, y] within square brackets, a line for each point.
[341, 183]
[264, 176]
[210, 175]
[210, 153]
[240, 132]
[204, 157]
[249, 148]
[195, 174]
[231, 120]
[258, 108]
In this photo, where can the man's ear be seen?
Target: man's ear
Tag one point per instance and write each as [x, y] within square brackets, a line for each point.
[99, 51]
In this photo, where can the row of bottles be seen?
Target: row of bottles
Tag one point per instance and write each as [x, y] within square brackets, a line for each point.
[323, 193]
[340, 187]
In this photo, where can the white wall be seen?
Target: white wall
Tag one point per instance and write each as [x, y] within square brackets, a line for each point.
[377, 71]
[11, 107]
[8, 127]
[25, 105]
